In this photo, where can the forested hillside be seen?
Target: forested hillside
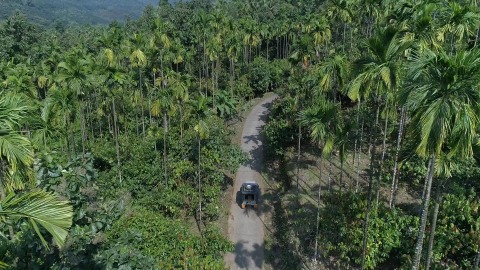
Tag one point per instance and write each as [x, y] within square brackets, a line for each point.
[57, 12]
[116, 141]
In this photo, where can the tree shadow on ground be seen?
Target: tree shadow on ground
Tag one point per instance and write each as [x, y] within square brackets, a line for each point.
[243, 256]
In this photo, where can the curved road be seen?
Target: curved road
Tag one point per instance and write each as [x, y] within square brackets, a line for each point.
[245, 226]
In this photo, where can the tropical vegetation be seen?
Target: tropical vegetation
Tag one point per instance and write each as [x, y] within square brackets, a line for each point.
[116, 141]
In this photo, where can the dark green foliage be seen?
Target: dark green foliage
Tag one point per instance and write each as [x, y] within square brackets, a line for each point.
[17, 36]
[73, 12]
[281, 129]
[261, 75]
[168, 242]
[341, 224]
[133, 118]
[456, 238]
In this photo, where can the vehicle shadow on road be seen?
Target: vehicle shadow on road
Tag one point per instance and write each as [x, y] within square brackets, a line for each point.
[243, 256]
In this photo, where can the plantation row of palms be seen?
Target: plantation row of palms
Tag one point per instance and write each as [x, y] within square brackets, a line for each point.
[417, 69]
[152, 101]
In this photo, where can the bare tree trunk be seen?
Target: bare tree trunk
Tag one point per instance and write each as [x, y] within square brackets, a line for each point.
[141, 101]
[298, 154]
[82, 126]
[199, 186]
[342, 161]
[438, 201]
[150, 101]
[358, 156]
[165, 130]
[330, 172]
[357, 150]
[424, 214]
[382, 159]
[267, 50]
[117, 146]
[370, 191]
[318, 208]
[393, 189]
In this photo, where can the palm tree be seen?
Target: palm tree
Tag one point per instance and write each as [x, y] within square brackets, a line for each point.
[138, 60]
[59, 107]
[40, 208]
[16, 152]
[379, 73]
[74, 73]
[164, 105]
[19, 79]
[16, 158]
[115, 79]
[443, 99]
[202, 130]
[324, 121]
[460, 21]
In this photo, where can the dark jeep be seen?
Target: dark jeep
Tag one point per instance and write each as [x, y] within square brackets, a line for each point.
[250, 191]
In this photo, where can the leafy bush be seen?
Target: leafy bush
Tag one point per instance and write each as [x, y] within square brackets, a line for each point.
[456, 237]
[168, 242]
[341, 231]
[281, 129]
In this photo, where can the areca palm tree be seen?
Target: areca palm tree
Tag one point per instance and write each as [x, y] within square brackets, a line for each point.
[16, 158]
[324, 121]
[443, 99]
[333, 73]
[202, 130]
[459, 21]
[138, 60]
[417, 19]
[379, 73]
[40, 208]
[115, 79]
[74, 72]
[59, 108]
[16, 153]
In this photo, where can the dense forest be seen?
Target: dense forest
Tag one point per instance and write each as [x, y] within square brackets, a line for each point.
[116, 141]
[70, 12]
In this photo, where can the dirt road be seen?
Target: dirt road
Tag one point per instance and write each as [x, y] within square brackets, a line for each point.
[245, 226]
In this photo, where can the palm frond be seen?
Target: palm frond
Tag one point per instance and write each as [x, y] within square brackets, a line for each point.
[16, 148]
[42, 208]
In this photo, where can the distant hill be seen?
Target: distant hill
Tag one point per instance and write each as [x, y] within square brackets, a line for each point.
[48, 12]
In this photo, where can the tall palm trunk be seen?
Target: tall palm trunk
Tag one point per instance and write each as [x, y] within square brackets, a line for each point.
[318, 207]
[357, 176]
[82, 126]
[372, 147]
[90, 120]
[180, 109]
[150, 94]
[298, 154]
[213, 83]
[141, 100]
[424, 215]
[342, 163]
[117, 146]
[382, 159]
[393, 189]
[199, 186]
[438, 201]
[67, 141]
[356, 141]
[330, 172]
[165, 130]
